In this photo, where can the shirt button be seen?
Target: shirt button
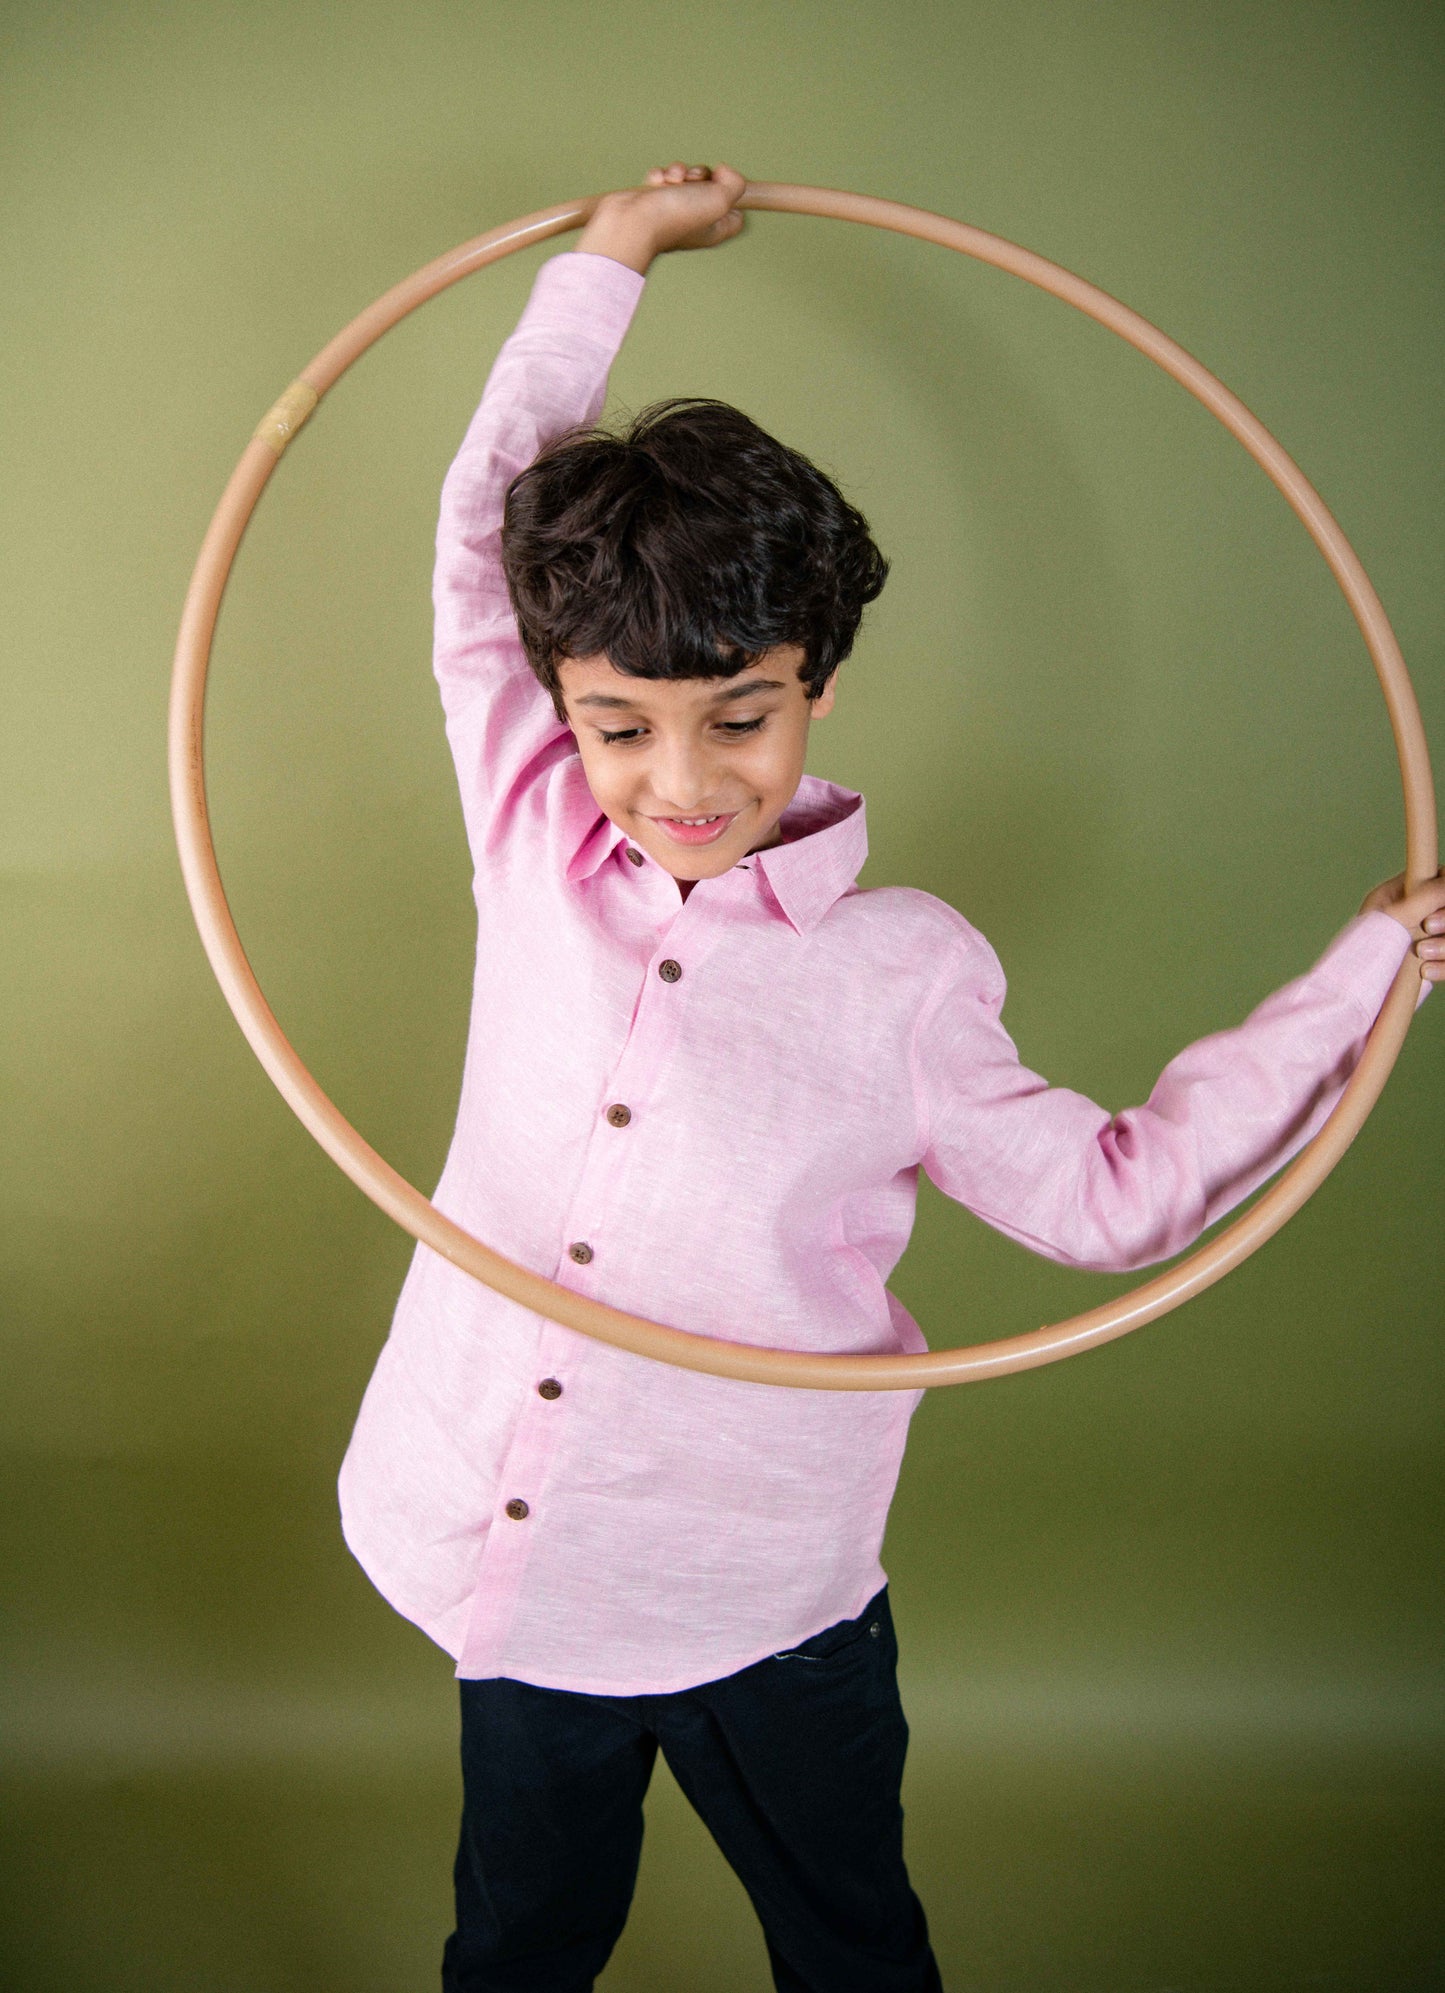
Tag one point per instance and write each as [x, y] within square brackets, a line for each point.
[580, 1251]
[518, 1510]
[618, 1115]
[670, 971]
[549, 1388]
[634, 857]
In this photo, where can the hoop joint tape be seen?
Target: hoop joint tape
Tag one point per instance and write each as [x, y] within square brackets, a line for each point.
[285, 416]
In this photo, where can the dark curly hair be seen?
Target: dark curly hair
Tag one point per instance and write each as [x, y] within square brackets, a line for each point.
[684, 548]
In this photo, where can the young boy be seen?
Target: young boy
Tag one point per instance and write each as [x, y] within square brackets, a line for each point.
[702, 1075]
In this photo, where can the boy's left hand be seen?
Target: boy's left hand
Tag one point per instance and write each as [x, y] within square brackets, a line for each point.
[1421, 913]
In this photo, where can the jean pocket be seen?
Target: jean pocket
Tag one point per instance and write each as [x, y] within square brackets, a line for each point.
[866, 1631]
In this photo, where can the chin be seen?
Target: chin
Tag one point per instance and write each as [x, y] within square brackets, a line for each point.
[693, 869]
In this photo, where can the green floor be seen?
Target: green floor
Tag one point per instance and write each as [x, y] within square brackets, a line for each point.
[1111, 1871]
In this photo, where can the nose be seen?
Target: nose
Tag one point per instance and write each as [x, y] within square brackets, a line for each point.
[682, 775]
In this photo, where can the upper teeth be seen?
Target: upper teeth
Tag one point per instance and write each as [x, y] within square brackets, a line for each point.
[699, 820]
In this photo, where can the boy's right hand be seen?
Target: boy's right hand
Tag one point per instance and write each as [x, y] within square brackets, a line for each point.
[1421, 913]
[678, 207]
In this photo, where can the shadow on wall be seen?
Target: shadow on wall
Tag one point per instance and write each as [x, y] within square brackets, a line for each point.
[998, 740]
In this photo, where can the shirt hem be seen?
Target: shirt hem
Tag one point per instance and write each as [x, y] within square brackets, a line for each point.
[588, 1684]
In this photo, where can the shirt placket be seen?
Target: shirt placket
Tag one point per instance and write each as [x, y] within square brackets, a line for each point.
[595, 1230]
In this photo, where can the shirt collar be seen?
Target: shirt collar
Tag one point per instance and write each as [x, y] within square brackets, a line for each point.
[593, 837]
[825, 841]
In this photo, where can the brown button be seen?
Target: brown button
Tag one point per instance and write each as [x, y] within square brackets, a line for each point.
[580, 1251]
[518, 1510]
[634, 856]
[618, 1115]
[670, 971]
[549, 1388]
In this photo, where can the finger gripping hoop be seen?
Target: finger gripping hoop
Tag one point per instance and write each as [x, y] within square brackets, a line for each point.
[408, 1207]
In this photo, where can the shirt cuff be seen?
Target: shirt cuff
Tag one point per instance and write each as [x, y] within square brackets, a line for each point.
[1364, 958]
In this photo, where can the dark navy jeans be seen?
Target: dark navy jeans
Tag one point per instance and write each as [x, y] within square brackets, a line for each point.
[794, 1764]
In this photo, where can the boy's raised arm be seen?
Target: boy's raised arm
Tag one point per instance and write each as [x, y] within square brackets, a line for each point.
[1051, 1169]
[549, 377]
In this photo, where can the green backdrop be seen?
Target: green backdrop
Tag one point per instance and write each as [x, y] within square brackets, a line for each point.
[1170, 1612]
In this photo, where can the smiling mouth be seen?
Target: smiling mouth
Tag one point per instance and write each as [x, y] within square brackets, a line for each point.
[695, 830]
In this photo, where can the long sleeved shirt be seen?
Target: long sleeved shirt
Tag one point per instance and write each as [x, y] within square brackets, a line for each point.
[790, 1051]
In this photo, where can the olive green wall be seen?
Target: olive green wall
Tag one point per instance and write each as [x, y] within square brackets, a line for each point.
[1170, 1613]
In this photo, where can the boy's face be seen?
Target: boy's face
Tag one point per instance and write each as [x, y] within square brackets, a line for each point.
[697, 771]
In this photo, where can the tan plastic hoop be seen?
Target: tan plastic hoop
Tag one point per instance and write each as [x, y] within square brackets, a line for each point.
[668, 1345]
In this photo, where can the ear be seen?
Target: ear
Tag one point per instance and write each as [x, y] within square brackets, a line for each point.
[820, 707]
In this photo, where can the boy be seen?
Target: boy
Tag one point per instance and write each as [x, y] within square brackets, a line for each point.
[702, 1075]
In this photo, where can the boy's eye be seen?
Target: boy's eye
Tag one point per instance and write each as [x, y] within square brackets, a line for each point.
[732, 729]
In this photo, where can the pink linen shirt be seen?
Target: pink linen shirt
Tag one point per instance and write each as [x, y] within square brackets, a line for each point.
[790, 1051]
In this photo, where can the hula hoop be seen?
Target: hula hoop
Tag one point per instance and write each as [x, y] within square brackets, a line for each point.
[414, 1212]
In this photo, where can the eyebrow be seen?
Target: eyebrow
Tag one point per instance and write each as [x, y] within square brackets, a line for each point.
[743, 691]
